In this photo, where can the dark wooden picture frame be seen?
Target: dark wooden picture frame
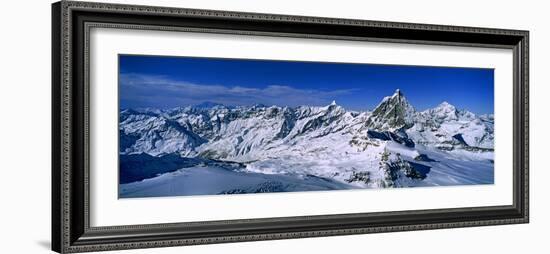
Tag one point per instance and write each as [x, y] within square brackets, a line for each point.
[71, 230]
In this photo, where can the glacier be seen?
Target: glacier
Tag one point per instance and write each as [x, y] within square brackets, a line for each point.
[211, 149]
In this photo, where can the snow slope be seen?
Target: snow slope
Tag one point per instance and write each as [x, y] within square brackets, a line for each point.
[218, 180]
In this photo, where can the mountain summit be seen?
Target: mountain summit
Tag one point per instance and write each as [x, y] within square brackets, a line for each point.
[394, 112]
[444, 112]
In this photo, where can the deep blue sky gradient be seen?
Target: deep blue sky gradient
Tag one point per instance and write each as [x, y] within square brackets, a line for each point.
[354, 86]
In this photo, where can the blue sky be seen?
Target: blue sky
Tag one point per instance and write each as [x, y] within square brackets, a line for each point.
[167, 82]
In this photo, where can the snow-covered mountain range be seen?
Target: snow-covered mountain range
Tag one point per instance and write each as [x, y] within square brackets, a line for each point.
[391, 146]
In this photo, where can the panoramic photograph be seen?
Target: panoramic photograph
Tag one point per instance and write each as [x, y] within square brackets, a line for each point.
[209, 126]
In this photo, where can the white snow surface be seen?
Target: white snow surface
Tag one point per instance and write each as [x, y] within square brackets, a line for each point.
[216, 180]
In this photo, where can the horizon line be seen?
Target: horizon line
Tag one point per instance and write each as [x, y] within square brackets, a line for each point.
[198, 105]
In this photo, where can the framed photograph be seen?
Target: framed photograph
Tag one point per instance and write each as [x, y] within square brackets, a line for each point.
[181, 126]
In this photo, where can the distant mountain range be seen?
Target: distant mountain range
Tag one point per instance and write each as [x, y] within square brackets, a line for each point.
[392, 145]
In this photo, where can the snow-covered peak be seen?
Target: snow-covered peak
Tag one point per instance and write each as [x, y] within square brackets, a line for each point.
[332, 108]
[393, 112]
[446, 109]
[397, 98]
[397, 93]
[446, 106]
[443, 112]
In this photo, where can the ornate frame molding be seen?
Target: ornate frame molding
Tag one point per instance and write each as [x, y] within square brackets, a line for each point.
[71, 23]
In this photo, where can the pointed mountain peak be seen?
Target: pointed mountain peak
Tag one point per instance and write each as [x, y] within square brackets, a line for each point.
[397, 98]
[333, 107]
[444, 112]
[393, 112]
[397, 93]
[446, 105]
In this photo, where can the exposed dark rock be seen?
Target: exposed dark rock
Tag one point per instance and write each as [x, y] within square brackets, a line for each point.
[401, 138]
[398, 136]
[423, 157]
[396, 167]
[460, 139]
[393, 113]
[378, 135]
[363, 176]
